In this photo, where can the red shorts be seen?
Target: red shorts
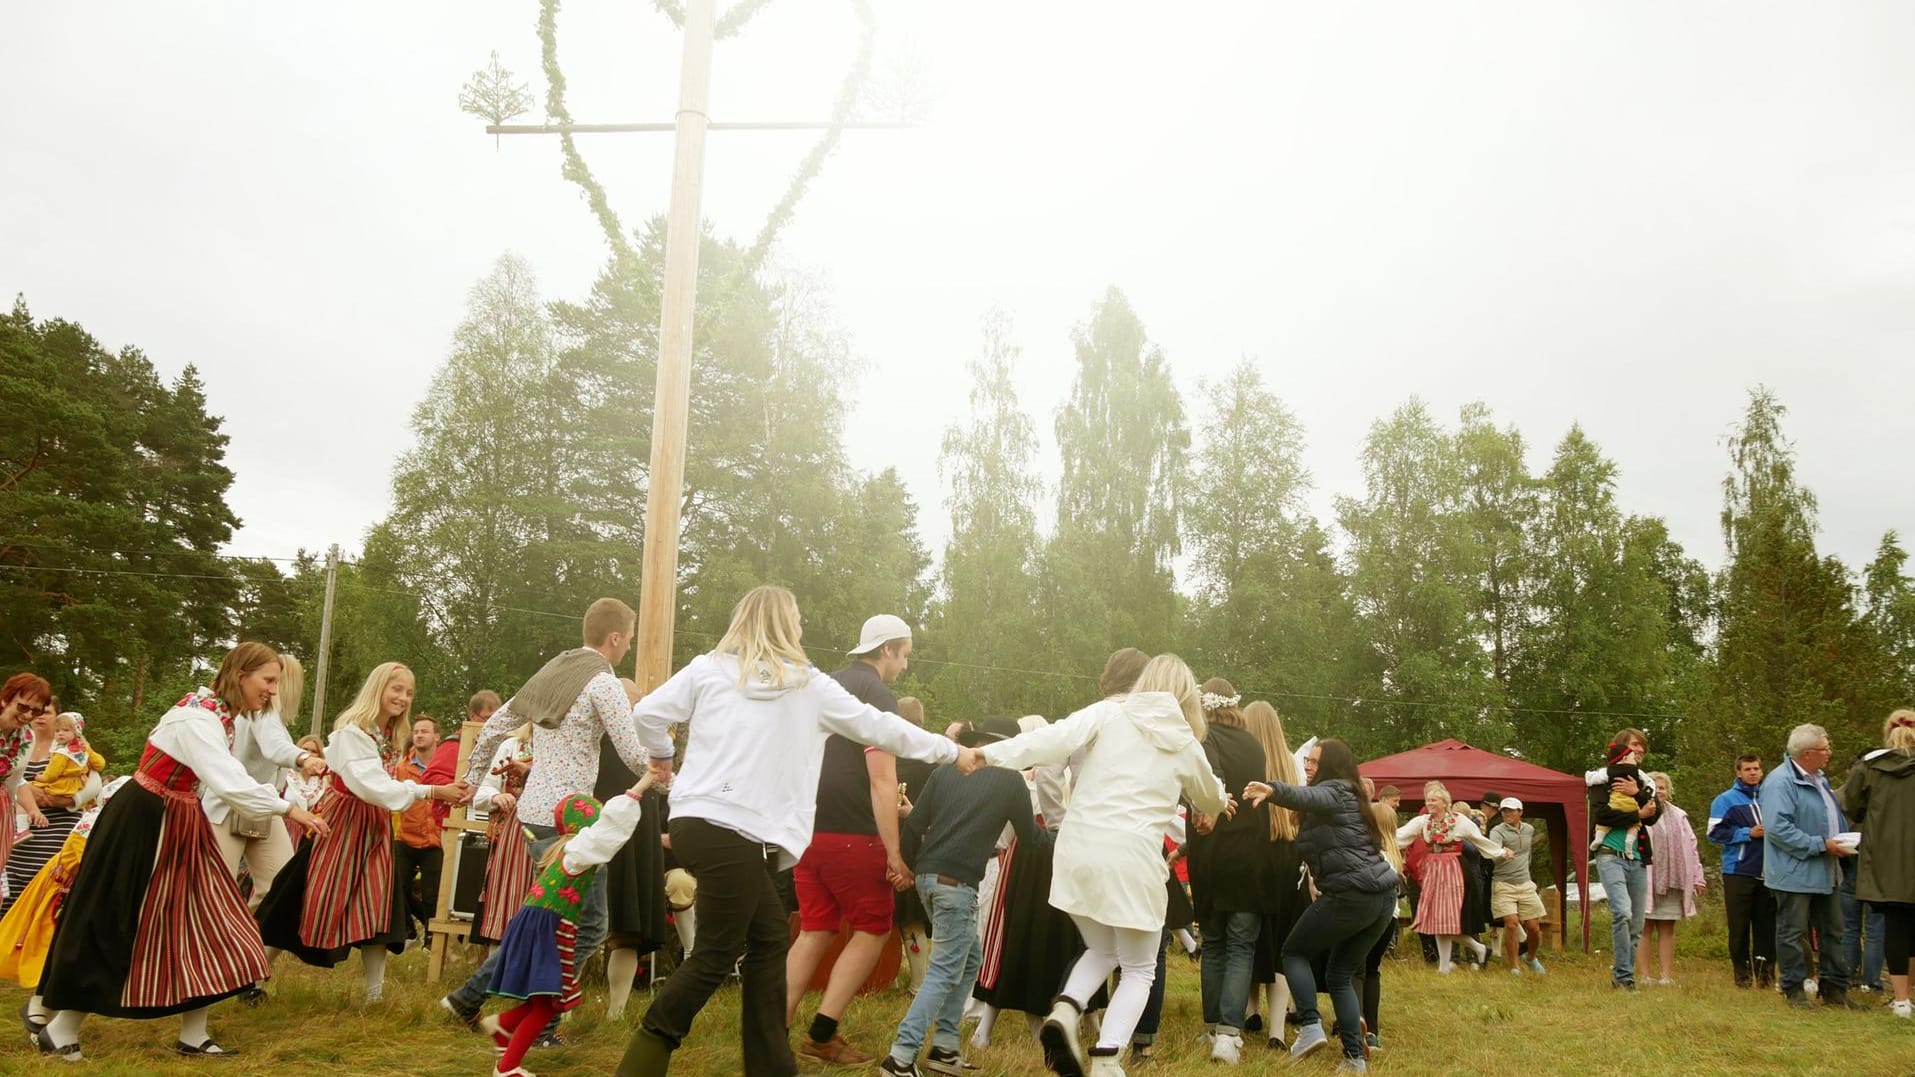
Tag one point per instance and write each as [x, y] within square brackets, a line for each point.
[841, 877]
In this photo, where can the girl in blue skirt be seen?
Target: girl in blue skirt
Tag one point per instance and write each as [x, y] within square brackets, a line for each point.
[537, 957]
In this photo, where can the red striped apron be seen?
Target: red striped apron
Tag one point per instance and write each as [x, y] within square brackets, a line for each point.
[994, 923]
[508, 871]
[1440, 910]
[568, 964]
[349, 879]
[195, 939]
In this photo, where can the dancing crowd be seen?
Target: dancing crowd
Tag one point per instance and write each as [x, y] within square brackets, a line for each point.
[1042, 868]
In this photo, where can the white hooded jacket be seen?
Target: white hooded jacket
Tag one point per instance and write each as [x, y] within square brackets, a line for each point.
[753, 753]
[1139, 758]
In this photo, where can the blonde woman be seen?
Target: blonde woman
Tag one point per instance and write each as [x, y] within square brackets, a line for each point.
[263, 747]
[1140, 754]
[154, 924]
[1439, 911]
[342, 893]
[1675, 878]
[1284, 886]
[759, 715]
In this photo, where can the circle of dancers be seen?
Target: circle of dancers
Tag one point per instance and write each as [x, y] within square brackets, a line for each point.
[1034, 867]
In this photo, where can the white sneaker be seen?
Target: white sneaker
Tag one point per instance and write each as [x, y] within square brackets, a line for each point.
[1902, 1008]
[1516, 970]
[1106, 1066]
[1811, 988]
[1665, 982]
[1227, 1048]
[1536, 967]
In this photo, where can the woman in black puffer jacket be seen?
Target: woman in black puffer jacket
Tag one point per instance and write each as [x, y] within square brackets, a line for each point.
[1341, 841]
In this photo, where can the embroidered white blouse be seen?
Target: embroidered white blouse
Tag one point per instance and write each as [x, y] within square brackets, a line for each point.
[353, 756]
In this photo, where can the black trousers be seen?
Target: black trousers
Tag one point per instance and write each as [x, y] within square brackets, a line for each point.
[1751, 911]
[739, 915]
[421, 904]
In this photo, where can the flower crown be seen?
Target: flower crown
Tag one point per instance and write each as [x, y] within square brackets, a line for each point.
[1214, 702]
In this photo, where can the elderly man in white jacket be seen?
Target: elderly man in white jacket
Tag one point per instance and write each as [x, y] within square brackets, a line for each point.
[1141, 754]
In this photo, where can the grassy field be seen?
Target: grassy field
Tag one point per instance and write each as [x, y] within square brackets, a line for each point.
[1475, 1024]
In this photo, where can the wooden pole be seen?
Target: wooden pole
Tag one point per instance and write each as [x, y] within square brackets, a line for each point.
[325, 638]
[658, 594]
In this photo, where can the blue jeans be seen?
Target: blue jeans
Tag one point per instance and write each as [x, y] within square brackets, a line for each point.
[1627, 888]
[1795, 914]
[471, 995]
[1857, 954]
[956, 956]
[1344, 925]
[1230, 948]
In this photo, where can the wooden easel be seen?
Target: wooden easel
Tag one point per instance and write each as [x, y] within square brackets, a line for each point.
[445, 927]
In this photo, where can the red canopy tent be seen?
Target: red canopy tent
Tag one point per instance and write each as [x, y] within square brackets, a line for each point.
[1558, 799]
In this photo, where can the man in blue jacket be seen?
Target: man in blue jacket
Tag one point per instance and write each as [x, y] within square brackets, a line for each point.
[1735, 823]
[1799, 856]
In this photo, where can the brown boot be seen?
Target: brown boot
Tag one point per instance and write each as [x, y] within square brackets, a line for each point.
[833, 1051]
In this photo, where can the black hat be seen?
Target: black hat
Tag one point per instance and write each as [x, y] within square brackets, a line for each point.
[988, 731]
[1490, 798]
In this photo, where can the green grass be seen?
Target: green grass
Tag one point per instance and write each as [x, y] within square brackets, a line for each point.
[1474, 1024]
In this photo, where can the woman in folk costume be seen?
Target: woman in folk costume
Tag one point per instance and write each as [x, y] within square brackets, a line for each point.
[508, 868]
[340, 892]
[1029, 946]
[537, 956]
[154, 924]
[1140, 754]
[26, 932]
[1439, 911]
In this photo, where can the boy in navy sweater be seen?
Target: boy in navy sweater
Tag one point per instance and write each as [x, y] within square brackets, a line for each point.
[957, 820]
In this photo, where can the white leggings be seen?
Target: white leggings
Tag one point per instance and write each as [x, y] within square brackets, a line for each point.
[1108, 948]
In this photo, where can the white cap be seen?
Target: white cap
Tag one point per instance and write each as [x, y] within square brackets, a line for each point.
[1511, 802]
[879, 631]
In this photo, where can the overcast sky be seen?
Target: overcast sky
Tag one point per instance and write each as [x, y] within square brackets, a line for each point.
[1620, 214]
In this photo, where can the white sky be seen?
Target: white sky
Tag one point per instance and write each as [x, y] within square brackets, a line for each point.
[1623, 214]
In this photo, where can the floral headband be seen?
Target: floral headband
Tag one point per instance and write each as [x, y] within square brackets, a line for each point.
[1214, 702]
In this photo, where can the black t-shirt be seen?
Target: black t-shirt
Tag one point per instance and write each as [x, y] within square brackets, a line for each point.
[844, 785]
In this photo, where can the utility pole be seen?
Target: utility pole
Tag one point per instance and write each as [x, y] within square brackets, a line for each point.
[658, 583]
[325, 637]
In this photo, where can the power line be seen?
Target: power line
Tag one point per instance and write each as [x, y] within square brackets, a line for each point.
[944, 662]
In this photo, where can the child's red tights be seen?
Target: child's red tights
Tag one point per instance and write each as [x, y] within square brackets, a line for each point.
[523, 1023]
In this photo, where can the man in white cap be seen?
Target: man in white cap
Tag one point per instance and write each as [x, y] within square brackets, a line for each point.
[852, 869]
[1512, 893]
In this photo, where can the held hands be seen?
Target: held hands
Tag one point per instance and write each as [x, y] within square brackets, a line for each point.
[645, 781]
[1256, 793]
[319, 827]
[970, 761]
[660, 771]
[457, 793]
[897, 874]
[1203, 822]
[504, 803]
[313, 765]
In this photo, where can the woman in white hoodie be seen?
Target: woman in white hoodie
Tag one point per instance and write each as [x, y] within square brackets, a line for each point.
[759, 716]
[1140, 754]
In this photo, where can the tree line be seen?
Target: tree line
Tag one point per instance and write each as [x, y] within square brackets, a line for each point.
[1457, 593]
